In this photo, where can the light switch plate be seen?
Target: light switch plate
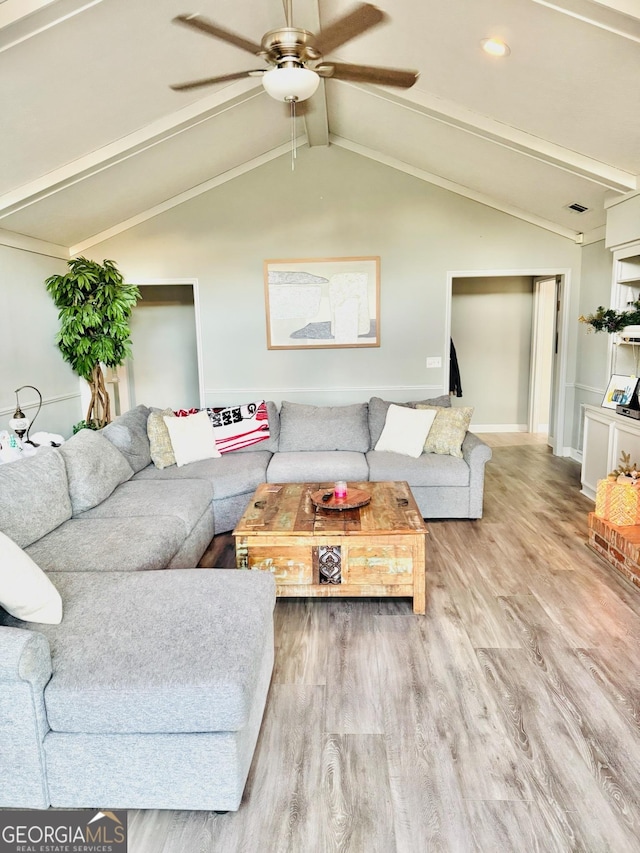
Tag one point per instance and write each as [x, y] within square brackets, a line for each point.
[434, 361]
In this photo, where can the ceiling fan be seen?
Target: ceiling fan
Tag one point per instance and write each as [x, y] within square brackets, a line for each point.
[296, 57]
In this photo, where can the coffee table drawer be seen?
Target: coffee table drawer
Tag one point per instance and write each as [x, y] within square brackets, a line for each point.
[289, 564]
[375, 564]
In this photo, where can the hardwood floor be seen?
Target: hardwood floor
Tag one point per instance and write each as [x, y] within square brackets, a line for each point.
[506, 719]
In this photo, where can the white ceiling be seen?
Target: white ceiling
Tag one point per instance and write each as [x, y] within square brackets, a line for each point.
[87, 112]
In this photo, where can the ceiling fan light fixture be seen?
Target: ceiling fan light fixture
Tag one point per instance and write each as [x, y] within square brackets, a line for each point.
[495, 47]
[290, 84]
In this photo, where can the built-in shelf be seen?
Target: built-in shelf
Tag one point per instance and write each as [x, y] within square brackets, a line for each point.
[629, 270]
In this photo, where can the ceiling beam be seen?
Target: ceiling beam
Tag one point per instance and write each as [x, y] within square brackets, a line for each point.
[153, 134]
[13, 10]
[22, 19]
[458, 189]
[316, 119]
[181, 198]
[32, 244]
[621, 17]
[455, 115]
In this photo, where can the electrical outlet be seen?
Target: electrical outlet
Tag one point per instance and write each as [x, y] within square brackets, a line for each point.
[434, 361]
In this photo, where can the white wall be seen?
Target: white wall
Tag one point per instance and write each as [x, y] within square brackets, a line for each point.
[491, 322]
[335, 204]
[592, 370]
[28, 355]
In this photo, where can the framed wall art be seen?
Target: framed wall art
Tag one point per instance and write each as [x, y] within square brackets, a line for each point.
[322, 303]
[620, 391]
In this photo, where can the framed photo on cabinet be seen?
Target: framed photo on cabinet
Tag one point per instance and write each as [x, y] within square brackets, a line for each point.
[620, 391]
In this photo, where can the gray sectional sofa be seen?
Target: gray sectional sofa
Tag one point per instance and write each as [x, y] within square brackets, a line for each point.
[150, 692]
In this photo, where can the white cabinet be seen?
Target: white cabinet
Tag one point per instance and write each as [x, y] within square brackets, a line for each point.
[606, 436]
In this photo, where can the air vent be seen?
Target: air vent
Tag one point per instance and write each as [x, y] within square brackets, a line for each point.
[577, 207]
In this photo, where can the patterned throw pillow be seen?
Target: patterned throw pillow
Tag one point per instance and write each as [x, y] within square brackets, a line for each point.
[236, 427]
[448, 430]
[160, 447]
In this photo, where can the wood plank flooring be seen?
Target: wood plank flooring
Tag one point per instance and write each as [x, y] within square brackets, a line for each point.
[506, 719]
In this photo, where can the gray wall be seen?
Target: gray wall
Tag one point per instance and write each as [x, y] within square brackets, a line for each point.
[164, 367]
[28, 355]
[491, 323]
[335, 204]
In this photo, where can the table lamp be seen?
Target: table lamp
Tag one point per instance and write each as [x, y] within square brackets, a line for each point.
[20, 423]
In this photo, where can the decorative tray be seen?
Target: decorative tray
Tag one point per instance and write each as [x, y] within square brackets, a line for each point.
[354, 499]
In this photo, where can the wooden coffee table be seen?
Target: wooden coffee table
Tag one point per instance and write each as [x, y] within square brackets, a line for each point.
[376, 550]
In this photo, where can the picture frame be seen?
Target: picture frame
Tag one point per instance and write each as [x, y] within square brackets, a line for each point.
[620, 391]
[322, 303]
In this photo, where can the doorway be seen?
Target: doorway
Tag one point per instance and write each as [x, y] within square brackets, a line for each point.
[508, 329]
[165, 368]
[543, 349]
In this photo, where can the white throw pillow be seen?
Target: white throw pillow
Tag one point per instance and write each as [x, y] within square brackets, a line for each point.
[25, 591]
[192, 438]
[405, 430]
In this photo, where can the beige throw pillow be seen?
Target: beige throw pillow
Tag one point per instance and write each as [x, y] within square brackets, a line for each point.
[192, 438]
[405, 430]
[25, 591]
[448, 431]
[160, 447]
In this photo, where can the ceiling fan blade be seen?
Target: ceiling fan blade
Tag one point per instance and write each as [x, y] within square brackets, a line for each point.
[368, 74]
[359, 20]
[197, 22]
[221, 78]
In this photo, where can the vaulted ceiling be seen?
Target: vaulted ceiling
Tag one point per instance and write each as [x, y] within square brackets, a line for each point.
[93, 140]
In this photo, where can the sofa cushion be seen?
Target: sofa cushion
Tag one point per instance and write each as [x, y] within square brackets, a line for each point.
[94, 468]
[186, 499]
[378, 412]
[323, 427]
[192, 438]
[25, 591]
[320, 466]
[405, 430]
[34, 496]
[427, 470]
[176, 651]
[128, 432]
[99, 544]
[448, 431]
[232, 474]
[160, 447]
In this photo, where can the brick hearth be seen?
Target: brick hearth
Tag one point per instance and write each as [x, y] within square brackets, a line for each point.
[620, 546]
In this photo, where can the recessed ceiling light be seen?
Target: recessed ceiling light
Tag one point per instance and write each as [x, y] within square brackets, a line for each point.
[495, 47]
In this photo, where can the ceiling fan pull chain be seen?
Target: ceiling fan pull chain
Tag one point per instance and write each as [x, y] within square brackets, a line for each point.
[292, 113]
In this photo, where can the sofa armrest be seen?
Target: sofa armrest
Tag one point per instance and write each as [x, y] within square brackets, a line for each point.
[24, 656]
[476, 453]
[25, 669]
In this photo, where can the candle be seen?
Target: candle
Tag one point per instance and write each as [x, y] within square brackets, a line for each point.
[340, 490]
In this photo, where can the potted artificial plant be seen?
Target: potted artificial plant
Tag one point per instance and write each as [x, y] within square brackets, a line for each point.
[94, 308]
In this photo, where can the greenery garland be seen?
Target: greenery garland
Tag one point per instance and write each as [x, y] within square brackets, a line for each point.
[611, 321]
